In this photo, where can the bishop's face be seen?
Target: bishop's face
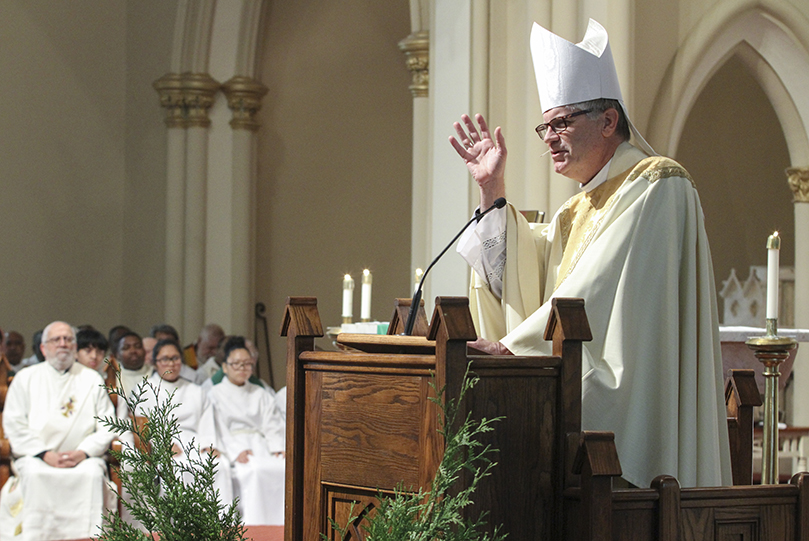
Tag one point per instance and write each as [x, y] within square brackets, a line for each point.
[577, 151]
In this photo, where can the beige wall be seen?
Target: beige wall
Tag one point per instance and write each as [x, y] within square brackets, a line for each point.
[656, 45]
[63, 162]
[82, 161]
[149, 31]
[334, 157]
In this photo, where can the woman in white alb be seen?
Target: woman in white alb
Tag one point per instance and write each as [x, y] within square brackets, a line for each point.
[194, 411]
[252, 432]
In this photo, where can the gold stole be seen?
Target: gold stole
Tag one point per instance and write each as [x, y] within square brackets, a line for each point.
[580, 219]
[581, 216]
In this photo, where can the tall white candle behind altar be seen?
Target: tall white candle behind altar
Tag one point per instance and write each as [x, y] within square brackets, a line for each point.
[365, 298]
[773, 263]
[348, 296]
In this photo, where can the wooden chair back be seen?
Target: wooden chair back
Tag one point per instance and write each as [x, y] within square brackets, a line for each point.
[5, 447]
[741, 396]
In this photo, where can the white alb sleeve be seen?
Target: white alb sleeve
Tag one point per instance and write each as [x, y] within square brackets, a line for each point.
[483, 246]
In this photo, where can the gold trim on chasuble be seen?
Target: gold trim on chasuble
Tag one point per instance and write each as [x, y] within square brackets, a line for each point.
[581, 216]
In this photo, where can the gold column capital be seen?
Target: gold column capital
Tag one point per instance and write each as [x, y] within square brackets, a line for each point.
[187, 97]
[244, 99]
[798, 178]
[416, 48]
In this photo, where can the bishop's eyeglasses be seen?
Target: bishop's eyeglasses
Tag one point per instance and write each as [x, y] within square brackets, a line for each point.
[558, 124]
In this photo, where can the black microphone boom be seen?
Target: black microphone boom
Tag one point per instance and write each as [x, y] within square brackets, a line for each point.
[499, 203]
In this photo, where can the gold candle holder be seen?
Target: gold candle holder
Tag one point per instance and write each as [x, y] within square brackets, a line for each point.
[771, 350]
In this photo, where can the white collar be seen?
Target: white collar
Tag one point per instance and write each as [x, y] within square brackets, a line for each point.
[625, 156]
[599, 179]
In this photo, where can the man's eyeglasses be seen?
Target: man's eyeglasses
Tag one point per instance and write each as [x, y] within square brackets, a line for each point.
[558, 124]
[169, 360]
[69, 340]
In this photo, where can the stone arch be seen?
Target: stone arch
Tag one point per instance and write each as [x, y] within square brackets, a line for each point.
[771, 38]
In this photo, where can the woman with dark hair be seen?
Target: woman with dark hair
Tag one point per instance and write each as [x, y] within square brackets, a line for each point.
[252, 431]
[193, 412]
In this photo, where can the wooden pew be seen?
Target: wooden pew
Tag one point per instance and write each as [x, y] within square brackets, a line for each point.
[666, 512]
[5, 446]
[360, 421]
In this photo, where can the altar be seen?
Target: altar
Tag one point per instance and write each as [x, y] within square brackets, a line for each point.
[736, 354]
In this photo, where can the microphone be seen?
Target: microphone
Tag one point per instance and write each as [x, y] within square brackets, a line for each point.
[499, 203]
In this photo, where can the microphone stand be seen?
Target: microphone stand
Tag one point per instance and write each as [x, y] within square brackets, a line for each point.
[499, 203]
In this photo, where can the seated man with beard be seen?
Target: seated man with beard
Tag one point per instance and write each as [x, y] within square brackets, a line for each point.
[50, 419]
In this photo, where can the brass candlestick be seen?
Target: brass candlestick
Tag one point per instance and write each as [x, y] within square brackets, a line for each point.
[771, 350]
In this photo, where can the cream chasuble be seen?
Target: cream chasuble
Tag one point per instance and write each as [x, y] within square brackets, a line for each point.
[249, 420]
[51, 410]
[635, 250]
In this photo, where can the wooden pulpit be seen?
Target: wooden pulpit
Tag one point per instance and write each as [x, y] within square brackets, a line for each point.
[360, 422]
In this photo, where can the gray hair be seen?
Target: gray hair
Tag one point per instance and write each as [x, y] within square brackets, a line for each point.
[600, 105]
[47, 330]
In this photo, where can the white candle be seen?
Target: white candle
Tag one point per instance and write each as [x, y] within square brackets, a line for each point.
[419, 274]
[365, 298]
[773, 253]
[348, 297]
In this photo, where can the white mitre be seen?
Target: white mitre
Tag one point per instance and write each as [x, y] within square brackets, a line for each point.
[570, 73]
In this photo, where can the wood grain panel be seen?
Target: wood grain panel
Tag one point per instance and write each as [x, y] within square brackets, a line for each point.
[370, 426]
[311, 457]
[363, 421]
[634, 525]
[522, 484]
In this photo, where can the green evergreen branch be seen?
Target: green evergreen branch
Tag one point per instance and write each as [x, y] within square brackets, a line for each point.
[175, 499]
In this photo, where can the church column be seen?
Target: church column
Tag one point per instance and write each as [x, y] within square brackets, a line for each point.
[798, 178]
[450, 188]
[416, 48]
[188, 97]
[244, 97]
[169, 88]
[199, 90]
